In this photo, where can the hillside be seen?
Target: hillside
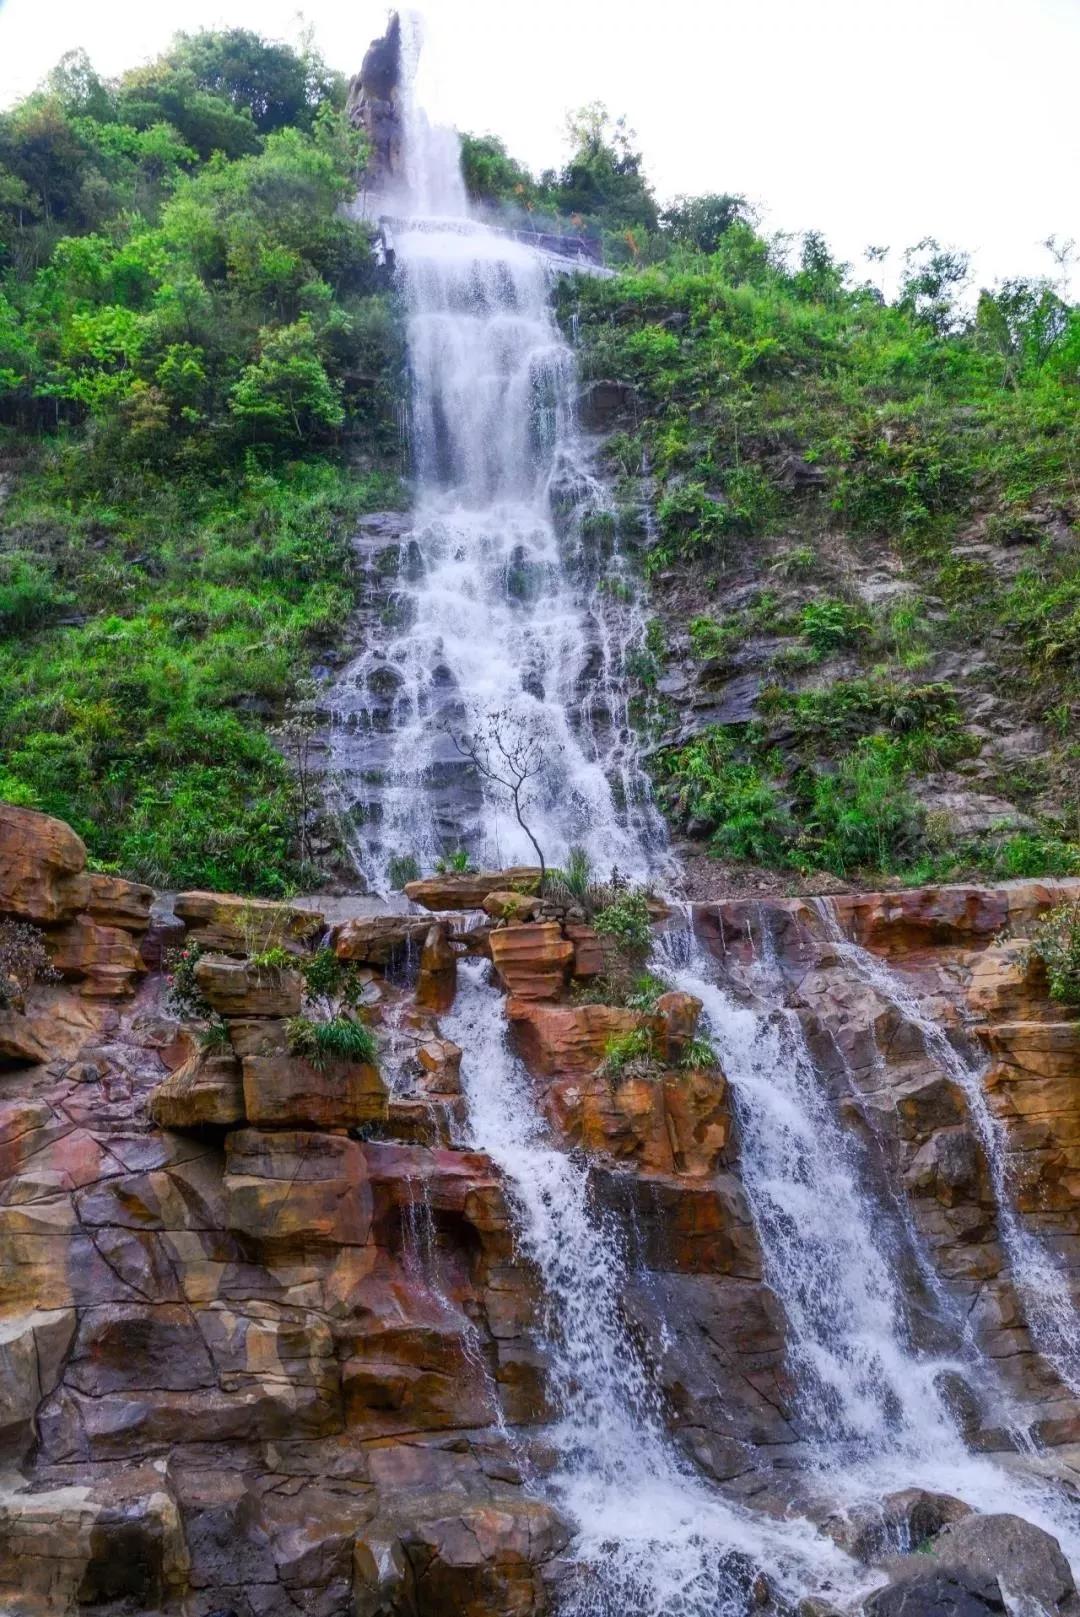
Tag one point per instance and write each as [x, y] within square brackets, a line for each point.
[854, 520]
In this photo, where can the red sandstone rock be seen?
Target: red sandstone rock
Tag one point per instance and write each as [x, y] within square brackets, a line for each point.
[297, 1188]
[467, 891]
[376, 940]
[105, 959]
[42, 866]
[532, 961]
[589, 958]
[511, 906]
[437, 981]
[237, 925]
[237, 988]
[568, 1040]
[283, 1089]
[206, 1090]
[112, 901]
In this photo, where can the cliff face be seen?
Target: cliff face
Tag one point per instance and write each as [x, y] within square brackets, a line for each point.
[268, 1344]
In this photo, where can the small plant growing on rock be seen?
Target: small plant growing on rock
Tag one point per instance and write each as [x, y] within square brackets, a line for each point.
[627, 922]
[185, 998]
[630, 1055]
[24, 960]
[457, 863]
[401, 868]
[272, 960]
[338, 1039]
[1057, 945]
[699, 1056]
[645, 992]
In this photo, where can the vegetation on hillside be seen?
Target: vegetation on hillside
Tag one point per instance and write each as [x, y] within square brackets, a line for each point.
[801, 435]
[199, 369]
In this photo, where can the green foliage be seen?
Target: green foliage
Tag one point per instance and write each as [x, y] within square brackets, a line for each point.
[184, 996]
[274, 959]
[340, 1038]
[402, 868]
[631, 1054]
[457, 863]
[1057, 945]
[832, 625]
[699, 1056]
[704, 783]
[575, 880]
[627, 922]
[644, 992]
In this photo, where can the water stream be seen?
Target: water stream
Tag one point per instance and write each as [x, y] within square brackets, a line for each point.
[503, 626]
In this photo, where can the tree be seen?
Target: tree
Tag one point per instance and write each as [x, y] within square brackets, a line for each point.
[932, 281]
[506, 751]
[1022, 322]
[604, 176]
[272, 83]
[287, 392]
[701, 221]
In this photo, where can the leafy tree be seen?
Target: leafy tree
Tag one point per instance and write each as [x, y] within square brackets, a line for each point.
[604, 177]
[933, 278]
[700, 222]
[287, 392]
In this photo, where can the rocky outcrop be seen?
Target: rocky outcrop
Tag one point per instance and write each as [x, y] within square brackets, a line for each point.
[244, 926]
[469, 890]
[42, 867]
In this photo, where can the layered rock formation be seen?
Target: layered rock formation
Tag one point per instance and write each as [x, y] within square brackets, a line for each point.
[267, 1344]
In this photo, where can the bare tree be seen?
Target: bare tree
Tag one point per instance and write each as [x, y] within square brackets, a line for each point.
[508, 754]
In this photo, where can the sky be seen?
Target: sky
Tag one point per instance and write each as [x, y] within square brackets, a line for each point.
[871, 121]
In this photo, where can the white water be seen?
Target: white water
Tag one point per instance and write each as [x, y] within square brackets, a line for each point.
[658, 1541]
[1042, 1284]
[501, 607]
[877, 1418]
[501, 603]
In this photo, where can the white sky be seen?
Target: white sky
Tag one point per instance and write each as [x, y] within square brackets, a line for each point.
[871, 121]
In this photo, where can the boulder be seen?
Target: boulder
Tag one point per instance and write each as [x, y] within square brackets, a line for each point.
[112, 901]
[439, 1061]
[1005, 1552]
[902, 1522]
[566, 1041]
[42, 866]
[928, 1594]
[534, 960]
[468, 890]
[32, 1351]
[297, 1188]
[282, 1089]
[237, 988]
[207, 1090]
[510, 906]
[589, 959]
[680, 1013]
[105, 959]
[376, 940]
[437, 982]
[235, 925]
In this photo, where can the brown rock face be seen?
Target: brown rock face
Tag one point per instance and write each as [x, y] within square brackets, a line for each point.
[207, 1090]
[467, 891]
[113, 901]
[437, 981]
[376, 940]
[246, 925]
[282, 1089]
[533, 961]
[42, 867]
[104, 959]
[237, 988]
[566, 1041]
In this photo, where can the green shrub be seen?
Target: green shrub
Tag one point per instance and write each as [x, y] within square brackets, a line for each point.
[699, 1056]
[1057, 945]
[831, 626]
[627, 922]
[184, 996]
[402, 868]
[457, 863]
[24, 960]
[630, 1054]
[338, 1039]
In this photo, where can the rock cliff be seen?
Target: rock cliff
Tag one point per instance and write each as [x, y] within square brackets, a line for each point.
[268, 1344]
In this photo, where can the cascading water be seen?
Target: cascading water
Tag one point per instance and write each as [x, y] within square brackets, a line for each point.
[873, 1407]
[656, 1540]
[499, 609]
[503, 617]
[1040, 1282]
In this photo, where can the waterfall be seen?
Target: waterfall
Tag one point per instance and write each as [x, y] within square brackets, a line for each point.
[655, 1539]
[1041, 1283]
[502, 615]
[871, 1405]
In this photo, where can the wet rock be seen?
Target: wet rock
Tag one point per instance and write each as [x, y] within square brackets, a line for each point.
[233, 925]
[534, 960]
[32, 1351]
[468, 890]
[902, 1522]
[297, 1188]
[1007, 1554]
[437, 981]
[679, 1013]
[601, 404]
[376, 940]
[237, 988]
[205, 1091]
[929, 1594]
[894, 923]
[42, 867]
